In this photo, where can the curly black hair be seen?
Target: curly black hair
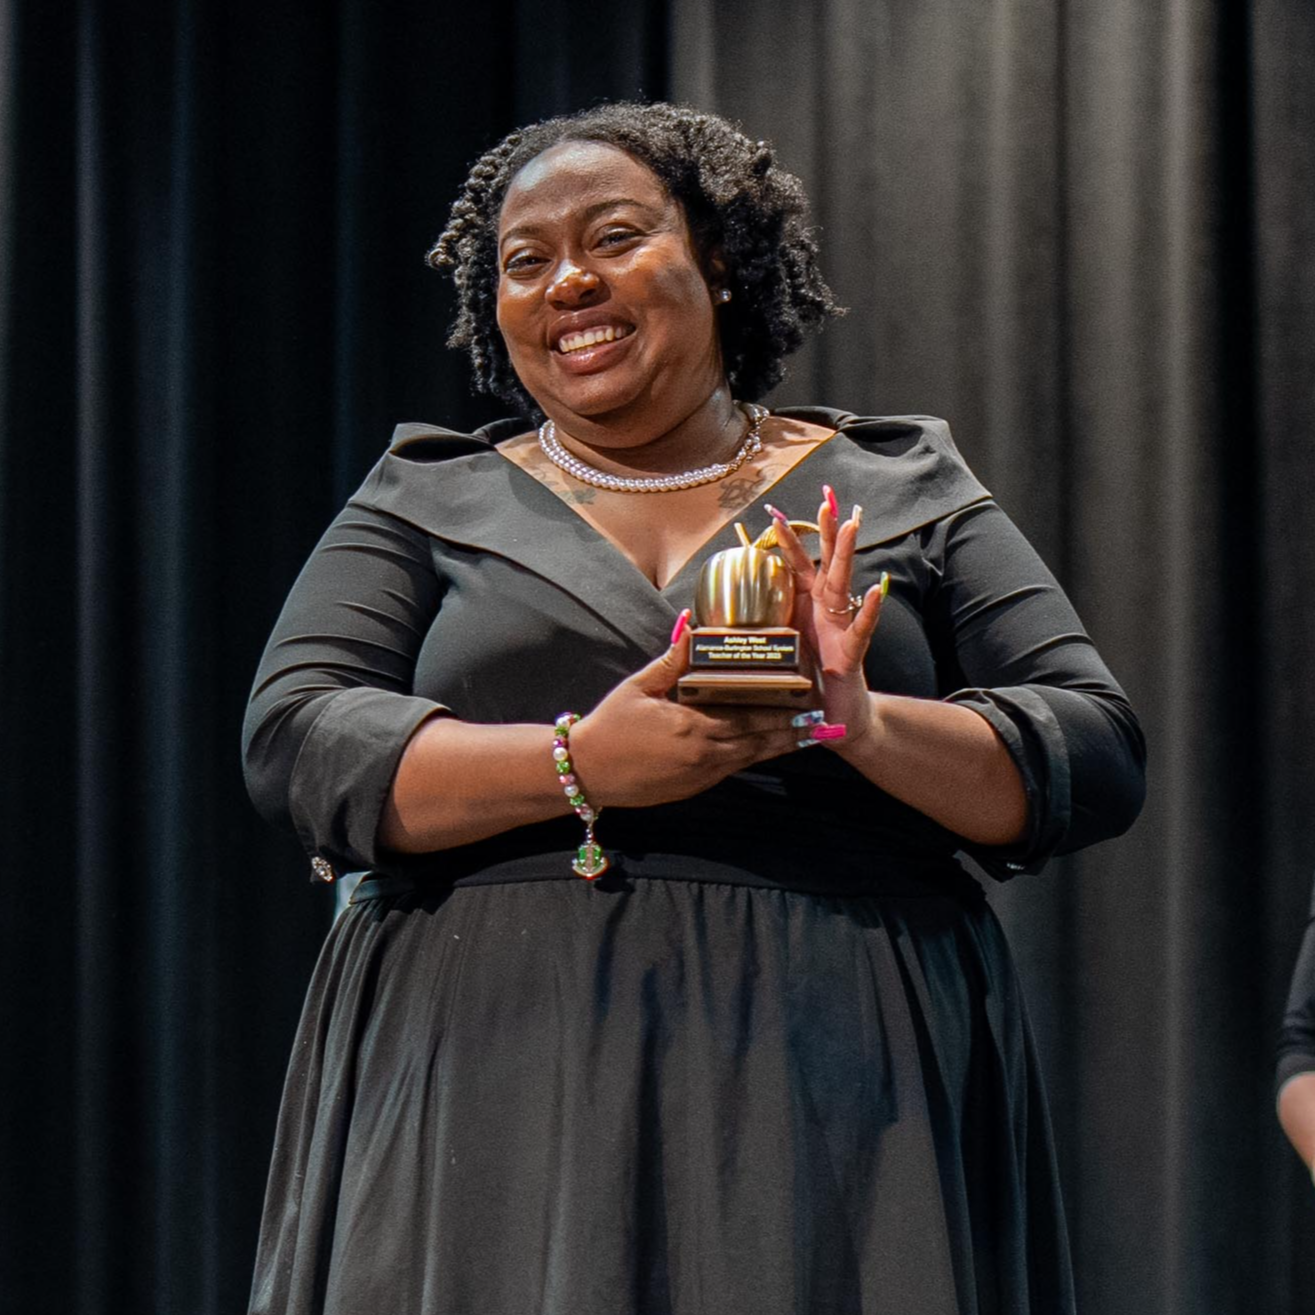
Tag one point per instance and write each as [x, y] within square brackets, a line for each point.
[740, 206]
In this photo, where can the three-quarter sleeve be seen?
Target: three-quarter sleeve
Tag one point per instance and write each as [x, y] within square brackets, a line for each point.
[332, 709]
[1018, 656]
[1296, 1048]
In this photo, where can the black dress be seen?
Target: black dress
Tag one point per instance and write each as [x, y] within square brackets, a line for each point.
[779, 1062]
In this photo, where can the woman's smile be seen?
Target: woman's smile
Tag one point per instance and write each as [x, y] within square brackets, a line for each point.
[588, 342]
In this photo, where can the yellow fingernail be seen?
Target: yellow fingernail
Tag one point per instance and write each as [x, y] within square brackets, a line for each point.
[885, 583]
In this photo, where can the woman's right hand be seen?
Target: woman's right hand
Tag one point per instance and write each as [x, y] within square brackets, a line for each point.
[639, 747]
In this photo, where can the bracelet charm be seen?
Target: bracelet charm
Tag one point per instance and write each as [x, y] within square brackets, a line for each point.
[590, 861]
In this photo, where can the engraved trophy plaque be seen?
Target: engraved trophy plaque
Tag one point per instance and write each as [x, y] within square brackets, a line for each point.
[742, 648]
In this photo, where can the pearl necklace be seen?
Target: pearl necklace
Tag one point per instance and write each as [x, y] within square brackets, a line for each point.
[685, 479]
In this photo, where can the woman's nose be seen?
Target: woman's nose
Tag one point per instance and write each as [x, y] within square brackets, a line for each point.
[573, 284]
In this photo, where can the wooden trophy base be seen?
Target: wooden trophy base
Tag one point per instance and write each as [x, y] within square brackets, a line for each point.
[766, 667]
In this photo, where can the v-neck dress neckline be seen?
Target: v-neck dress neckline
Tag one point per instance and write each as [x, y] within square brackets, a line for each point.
[722, 537]
[457, 488]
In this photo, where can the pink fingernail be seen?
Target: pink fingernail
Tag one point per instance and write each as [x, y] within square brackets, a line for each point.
[679, 629]
[775, 513]
[830, 494]
[834, 731]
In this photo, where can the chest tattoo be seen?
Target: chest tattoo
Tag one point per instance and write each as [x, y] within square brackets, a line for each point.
[739, 492]
[547, 474]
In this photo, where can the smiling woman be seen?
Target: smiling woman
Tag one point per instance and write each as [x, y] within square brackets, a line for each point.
[770, 1056]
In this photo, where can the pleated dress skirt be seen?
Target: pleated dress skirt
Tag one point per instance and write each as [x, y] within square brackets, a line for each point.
[674, 1097]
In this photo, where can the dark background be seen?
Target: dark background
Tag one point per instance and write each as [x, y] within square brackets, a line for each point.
[1080, 229]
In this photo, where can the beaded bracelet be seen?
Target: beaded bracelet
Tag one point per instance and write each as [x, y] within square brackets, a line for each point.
[590, 861]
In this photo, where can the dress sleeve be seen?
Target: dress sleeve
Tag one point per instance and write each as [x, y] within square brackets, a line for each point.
[1013, 650]
[1296, 1047]
[332, 708]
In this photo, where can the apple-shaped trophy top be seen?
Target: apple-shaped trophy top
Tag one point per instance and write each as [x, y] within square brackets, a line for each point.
[748, 587]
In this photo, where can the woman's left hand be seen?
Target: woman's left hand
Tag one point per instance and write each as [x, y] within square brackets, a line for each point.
[838, 632]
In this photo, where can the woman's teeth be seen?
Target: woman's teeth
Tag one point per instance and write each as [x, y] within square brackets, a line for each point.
[575, 342]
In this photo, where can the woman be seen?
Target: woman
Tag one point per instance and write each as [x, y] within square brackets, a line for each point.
[775, 1059]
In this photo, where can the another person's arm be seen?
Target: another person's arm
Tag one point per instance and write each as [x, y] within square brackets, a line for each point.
[1296, 1060]
[1296, 1112]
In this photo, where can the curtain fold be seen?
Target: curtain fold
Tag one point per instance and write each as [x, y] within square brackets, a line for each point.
[1081, 231]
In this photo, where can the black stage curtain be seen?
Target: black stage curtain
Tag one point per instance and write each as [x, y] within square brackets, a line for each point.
[1082, 231]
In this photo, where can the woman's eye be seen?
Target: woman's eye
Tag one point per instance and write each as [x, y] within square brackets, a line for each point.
[616, 236]
[521, 262]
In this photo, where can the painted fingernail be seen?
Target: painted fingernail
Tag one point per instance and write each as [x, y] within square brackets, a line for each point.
[885, 583]
[814, 718]
[830, 495]
[775, 513]
[856, 515]
[805, 744]
[837, 731]
[679, 629]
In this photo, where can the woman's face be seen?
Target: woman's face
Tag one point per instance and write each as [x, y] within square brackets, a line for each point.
[602, 301]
